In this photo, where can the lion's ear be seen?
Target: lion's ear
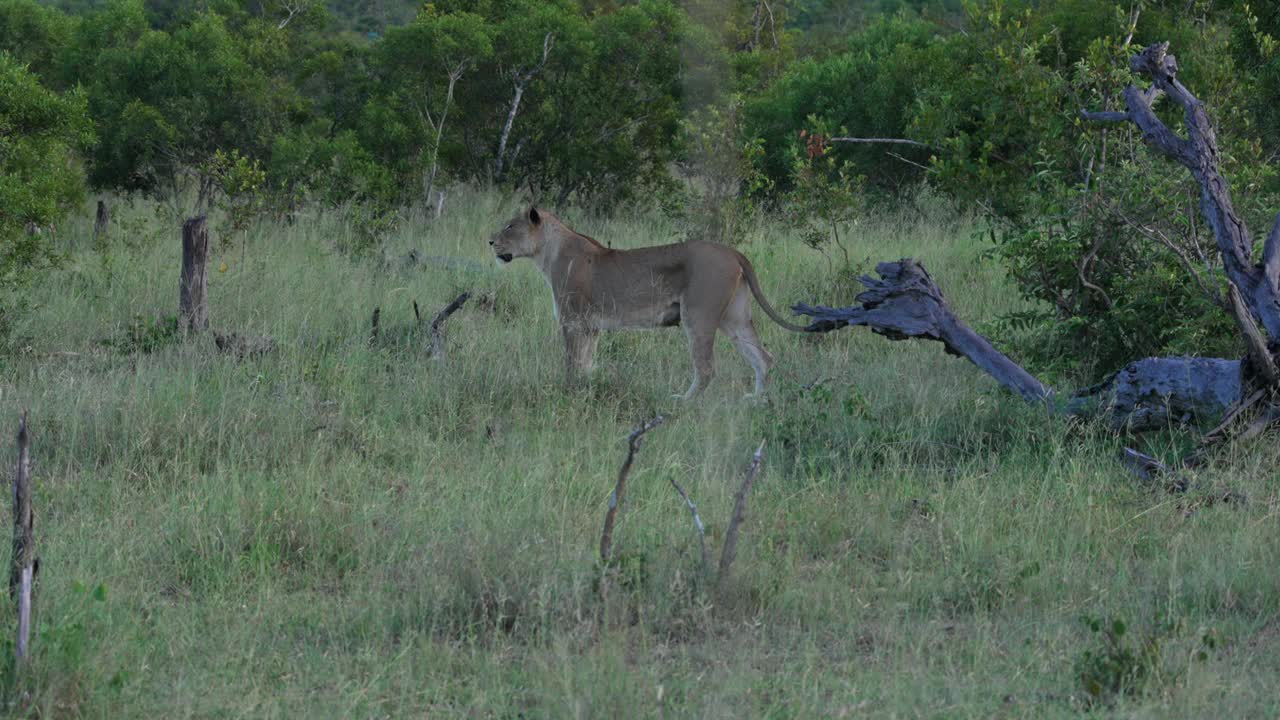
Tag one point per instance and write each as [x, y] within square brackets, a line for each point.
[534, 217]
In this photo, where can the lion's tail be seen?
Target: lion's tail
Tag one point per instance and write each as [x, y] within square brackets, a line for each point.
[754, 284]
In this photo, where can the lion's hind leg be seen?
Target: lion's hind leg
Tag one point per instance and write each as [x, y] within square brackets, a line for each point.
[738, 326]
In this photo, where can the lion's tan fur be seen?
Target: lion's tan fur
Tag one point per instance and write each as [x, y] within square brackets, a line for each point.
[701, 285]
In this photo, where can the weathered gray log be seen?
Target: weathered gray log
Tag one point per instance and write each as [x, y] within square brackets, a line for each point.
[906, 303]
[193, 308]
[1155, 393]
[620, 487]
[1198, 152]
[22, 569]
[730, 550]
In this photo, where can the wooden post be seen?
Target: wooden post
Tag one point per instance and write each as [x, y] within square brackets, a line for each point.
[193, 308]
[102, 221]
[22, 572]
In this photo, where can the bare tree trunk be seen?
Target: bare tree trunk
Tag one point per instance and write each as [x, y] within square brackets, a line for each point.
[193, 310]
[1259, 284]
[519, 79]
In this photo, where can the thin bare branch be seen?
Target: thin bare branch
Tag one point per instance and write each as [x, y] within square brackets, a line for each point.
[697, 523]
[1105, 117]
[437, 325]
[882, 141]
[619, 488]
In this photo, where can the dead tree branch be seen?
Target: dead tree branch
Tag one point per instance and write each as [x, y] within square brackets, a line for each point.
[730, 550]
[1260, 360]
[620, 488]
[437, 325]
[1259, 284]
[697, 523]
[882, 141]
[906, 303]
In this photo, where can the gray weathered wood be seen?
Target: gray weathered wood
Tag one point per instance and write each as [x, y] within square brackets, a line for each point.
[1259, 283]
[22, 570]
[1260, 360]
[906, 303]
[1154, 393]
[193, 307]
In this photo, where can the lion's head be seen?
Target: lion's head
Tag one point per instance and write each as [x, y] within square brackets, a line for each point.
[522, 237]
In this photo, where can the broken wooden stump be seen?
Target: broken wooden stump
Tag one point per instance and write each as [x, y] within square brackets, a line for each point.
[101, 221]
[905, 303]
[23, 565]
[193, 308]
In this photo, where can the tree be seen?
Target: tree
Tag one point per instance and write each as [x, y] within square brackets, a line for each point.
[41, 178]
[420, 66]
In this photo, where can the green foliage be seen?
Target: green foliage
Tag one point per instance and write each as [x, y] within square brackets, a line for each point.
[40, 179]
[1120, 664]
[868, 89]
[826, 196]
[722, 174]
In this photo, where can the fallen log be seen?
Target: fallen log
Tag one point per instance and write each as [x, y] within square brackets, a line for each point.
[905, 303]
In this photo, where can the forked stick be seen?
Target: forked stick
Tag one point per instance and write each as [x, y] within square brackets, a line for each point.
[615, 499]
[739, 512]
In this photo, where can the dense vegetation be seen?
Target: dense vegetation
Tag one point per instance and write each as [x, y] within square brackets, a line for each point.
[710, 110]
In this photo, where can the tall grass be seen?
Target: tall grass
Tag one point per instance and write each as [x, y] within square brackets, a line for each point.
[345, 530]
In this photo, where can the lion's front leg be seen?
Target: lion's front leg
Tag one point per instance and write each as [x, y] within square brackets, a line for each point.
[579, 350]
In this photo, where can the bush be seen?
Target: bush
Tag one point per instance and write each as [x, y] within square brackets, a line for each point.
[40, 178]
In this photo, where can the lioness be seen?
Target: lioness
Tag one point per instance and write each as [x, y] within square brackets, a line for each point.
[702, 285]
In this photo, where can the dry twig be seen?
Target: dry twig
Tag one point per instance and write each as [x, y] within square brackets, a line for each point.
[615, 499]
[730, 550]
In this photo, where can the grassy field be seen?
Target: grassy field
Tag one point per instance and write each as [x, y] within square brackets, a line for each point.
[339, 530]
